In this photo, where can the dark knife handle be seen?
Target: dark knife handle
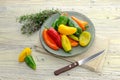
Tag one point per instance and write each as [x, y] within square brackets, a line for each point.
[66, 68]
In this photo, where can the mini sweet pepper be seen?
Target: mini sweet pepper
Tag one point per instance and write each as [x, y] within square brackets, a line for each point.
[24, 53]
[55, 36]
[30, 62]
[63, 19]
[73, 37]
[72, 23]
[66, 43]
[66, 30]
[84, 38]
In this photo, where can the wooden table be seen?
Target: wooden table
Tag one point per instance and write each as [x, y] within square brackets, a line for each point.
[105, 14]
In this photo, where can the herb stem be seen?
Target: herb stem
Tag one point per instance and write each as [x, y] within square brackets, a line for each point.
[33, 22]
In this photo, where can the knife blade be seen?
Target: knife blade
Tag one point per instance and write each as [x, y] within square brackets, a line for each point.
[77, 63]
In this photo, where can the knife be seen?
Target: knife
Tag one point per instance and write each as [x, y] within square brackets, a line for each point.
[77, 63]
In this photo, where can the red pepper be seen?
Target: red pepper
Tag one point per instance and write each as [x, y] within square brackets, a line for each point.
[55, 36]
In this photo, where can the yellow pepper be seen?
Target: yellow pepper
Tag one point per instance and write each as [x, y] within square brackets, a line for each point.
[66, 30]
[66, 43]
[84, 38]
[24, 53]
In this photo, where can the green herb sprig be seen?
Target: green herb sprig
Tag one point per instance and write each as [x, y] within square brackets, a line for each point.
[32, 22]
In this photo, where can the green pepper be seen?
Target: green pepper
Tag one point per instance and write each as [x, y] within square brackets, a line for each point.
[61, 20]
[30, 62]
[84, 38]
[55, 25]
[73, 37]
[74, 24]
[66, 43]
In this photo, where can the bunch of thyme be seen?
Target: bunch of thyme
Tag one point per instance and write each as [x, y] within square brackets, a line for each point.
[32, 22]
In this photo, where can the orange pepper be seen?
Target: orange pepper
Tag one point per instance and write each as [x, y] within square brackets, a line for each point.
[81, 23]
[73, 42]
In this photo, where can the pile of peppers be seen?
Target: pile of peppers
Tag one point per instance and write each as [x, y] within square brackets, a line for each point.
[26, 56]
[67, 32]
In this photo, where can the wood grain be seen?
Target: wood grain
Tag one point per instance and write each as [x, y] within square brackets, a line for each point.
[105, 14]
